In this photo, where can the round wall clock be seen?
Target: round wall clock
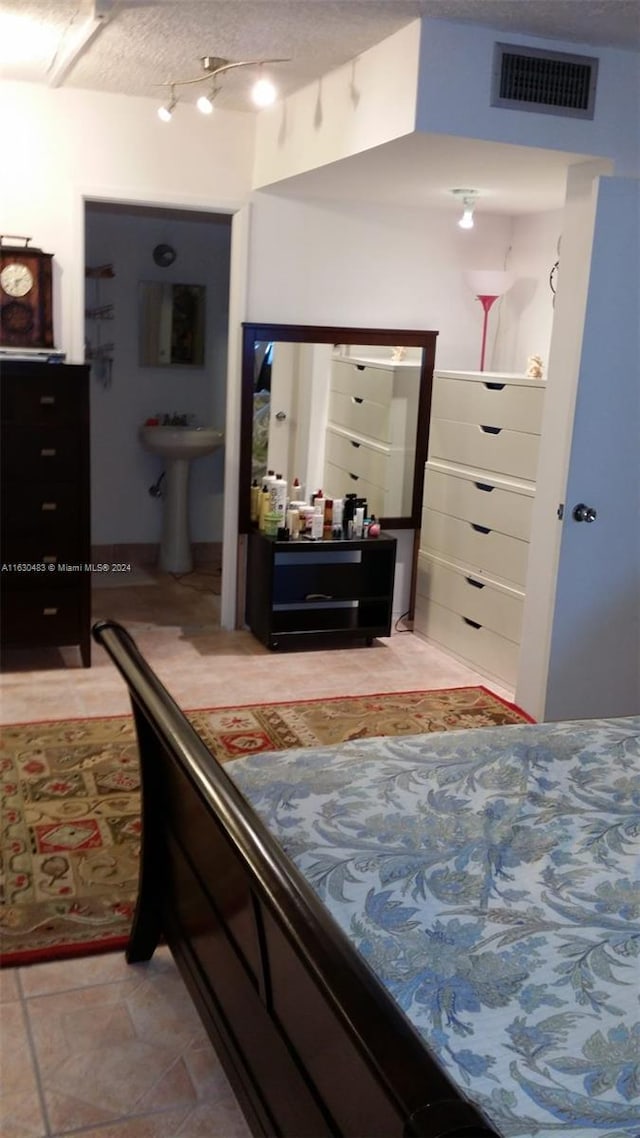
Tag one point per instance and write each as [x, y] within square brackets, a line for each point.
[164, 255]
[26, 317]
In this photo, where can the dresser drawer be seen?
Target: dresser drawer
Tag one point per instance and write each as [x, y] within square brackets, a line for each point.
[360, 415]
[338, 483]
[480, 601]
[44, 454]
[358, 458]
[41, 507]
[480, 501]
[45, 547]
[505, 452]
[478, 646]
[41, 400]
[486, 551]
[494, 402]
[40, 616]
[364, 381]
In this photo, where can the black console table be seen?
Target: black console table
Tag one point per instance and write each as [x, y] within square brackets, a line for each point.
[321, 589]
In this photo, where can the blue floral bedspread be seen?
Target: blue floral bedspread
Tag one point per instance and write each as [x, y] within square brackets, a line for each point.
[491, 878]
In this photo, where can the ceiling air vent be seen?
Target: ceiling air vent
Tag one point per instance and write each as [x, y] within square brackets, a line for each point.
[550, 82]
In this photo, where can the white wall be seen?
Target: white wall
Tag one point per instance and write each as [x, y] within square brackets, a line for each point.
[66, 145]
[121, 471]
[526, 310]
[372, 266]
[455, 91]
[366, 102]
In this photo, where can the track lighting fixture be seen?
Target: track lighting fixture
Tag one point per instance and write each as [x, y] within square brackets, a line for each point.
[468, 199]
[263, 92]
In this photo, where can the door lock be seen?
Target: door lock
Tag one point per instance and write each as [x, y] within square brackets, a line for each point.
[582, 513]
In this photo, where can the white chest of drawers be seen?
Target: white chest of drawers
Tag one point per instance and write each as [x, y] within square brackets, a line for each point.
[371, 432]
[476, 520]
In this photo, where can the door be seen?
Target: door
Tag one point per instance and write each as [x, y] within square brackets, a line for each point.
[594, 660]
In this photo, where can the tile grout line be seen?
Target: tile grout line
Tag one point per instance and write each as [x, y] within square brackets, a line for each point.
[24, 1000]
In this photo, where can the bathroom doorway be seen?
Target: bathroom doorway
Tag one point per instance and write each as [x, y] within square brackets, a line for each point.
[128, 247]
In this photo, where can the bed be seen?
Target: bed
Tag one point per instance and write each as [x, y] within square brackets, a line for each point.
[418, 936]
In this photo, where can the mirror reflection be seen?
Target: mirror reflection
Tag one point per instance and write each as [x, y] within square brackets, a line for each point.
[340, 409]
[338, 418]
[172, 323]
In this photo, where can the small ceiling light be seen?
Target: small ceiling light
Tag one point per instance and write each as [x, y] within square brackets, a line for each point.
[468, 199]
[466, 221]
[263, 92]
[165, 112]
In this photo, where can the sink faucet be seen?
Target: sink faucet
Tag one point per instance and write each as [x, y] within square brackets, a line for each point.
[175, 420]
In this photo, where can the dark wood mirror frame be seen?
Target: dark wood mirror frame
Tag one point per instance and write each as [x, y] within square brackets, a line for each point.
[329, 334]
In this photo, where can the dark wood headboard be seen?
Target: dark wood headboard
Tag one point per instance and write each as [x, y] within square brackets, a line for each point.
[312, 1043]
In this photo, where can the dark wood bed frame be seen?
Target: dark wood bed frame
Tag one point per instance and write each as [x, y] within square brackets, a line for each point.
[313, 1045]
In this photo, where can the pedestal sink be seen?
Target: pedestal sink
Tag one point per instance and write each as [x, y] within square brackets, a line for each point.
[178, 446]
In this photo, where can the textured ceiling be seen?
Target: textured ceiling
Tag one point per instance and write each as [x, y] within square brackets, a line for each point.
[144, 43]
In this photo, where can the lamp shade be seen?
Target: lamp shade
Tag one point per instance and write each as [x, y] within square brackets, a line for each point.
[489, 282]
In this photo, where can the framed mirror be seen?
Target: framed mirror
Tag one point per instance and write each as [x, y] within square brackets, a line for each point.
[343, 409]
[172, 323]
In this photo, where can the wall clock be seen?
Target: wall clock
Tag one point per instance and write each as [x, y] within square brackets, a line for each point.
[26, 315]
[164, 255]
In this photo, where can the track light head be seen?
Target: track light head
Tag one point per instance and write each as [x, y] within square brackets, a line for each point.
[263, 92]
[205, 102]
[166, 111]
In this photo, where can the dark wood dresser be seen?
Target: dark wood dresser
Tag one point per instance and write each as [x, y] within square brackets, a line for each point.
[45, 490]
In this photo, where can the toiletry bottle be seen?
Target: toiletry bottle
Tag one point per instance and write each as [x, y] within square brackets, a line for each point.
[293, 522]
[264, 507]
[268, 479]
[358, 522]
[328, 519]
[336, 531]
[317, 524]
[348, 509]
[297, 491]
[374, 527]
[278, 496]
[255, 501]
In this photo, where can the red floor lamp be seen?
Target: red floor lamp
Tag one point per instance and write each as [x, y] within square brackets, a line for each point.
[488, 286]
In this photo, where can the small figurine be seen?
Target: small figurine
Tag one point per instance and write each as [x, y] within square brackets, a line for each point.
[534, 367]
[398, 354]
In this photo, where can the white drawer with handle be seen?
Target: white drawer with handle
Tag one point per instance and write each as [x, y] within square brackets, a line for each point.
[474, 546]
[484, 445]
[360, 415]
[359, 457]
[338, 482]
[498, 401]
[478, 646]
[377, 379]
[483, 602]
[479, 499]
[364, 380]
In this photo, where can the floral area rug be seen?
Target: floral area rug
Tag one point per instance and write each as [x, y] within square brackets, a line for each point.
[70, 832]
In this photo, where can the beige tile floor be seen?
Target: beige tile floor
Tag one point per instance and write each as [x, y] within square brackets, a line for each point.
[96, 1047]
